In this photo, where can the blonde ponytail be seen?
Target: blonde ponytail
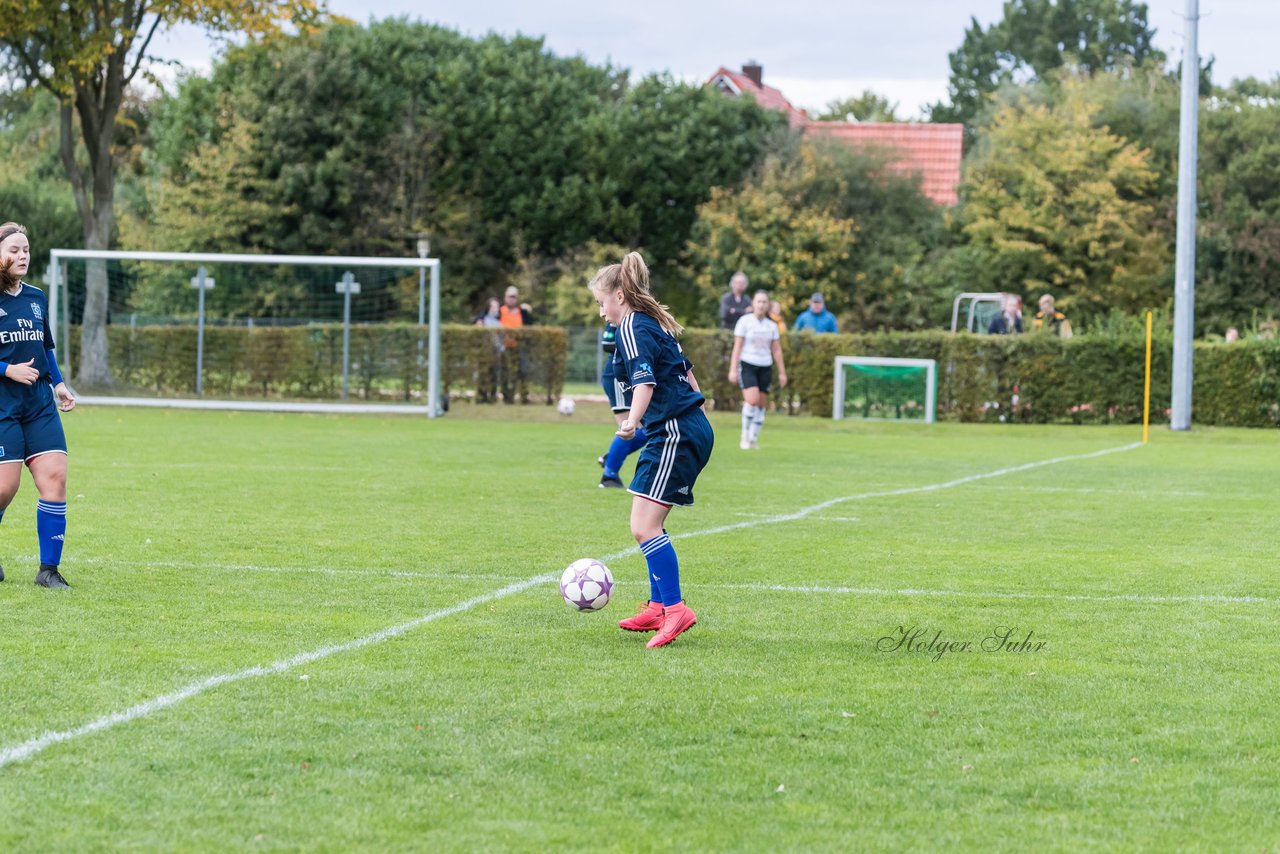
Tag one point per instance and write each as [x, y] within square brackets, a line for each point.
[632, 278]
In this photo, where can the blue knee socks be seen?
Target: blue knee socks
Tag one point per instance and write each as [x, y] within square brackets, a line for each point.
[664, 569]
[51, 529]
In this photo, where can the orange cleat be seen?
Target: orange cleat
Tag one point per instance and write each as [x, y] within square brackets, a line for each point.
[675, 619]
[648, 620]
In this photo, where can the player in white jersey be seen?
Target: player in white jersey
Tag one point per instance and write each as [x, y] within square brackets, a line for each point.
[756, 348]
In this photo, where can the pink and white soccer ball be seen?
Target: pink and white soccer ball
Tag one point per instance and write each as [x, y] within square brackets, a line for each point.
[586, 585]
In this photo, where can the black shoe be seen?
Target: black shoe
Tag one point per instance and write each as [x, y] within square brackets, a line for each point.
[48, 576]
[1, 573]
[607, 482]
[600, 461]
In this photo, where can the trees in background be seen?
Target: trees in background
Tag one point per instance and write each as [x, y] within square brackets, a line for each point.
[1035, 38]
[1054, 203]
[823, 217]
[1238, 239]
[357, 138]
[867, 107]
[86, 55]
[532, 169]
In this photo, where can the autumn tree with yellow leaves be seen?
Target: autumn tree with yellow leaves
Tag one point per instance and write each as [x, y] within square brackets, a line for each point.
[1052, 202]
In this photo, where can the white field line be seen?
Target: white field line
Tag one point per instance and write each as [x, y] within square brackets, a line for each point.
[27, 749]
[820, 589]
[1089, 490]
[814, 518]
[989, 594]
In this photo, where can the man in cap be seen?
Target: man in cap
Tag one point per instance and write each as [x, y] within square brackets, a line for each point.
[816, 318]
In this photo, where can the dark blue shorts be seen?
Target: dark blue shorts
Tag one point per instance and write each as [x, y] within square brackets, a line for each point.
[31, 426]
[677, 451]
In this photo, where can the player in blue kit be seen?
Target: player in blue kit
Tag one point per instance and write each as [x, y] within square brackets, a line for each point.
[666, 402]
[620, 402]
[31, 393]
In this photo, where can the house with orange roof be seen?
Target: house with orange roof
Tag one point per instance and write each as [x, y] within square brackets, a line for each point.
[932, 151]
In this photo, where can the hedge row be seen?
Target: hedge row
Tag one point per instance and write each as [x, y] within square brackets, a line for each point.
[387, 361]
[1028, 378]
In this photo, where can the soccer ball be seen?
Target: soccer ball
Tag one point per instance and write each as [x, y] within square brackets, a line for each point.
[565, 406]
[586, 585]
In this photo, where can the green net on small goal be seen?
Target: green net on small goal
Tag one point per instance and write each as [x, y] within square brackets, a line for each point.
[884, 388]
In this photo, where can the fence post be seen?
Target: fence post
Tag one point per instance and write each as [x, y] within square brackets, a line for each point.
[346, 287]
[201, 283]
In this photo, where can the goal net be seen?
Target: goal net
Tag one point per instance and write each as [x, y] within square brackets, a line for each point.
[884, 388]
[218, 330]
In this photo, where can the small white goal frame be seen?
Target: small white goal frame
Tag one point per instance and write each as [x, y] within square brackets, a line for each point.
[930, 383]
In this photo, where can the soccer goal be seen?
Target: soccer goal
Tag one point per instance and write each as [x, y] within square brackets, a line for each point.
[885, 389]
[208, 330]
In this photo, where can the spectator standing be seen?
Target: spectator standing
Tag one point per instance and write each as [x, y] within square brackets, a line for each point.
[1009, 320]
[514, 315]
[816, 318]
[775, 314]
[1049, 318]
[489, 317]
[735, 303]
[487, 392]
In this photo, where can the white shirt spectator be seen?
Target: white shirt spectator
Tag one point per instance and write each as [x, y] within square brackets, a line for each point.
[757, 339]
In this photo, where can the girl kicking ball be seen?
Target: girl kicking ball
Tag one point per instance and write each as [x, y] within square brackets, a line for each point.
[666, 402]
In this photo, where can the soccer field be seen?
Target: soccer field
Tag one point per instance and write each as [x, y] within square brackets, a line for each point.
[343, 633]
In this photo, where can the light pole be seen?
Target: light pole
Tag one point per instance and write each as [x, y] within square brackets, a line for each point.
[1184, 276]
[346, 287]
[202, 282]
[424, 250]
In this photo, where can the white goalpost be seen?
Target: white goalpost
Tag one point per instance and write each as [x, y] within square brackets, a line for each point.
[318, 301]
[883, 388]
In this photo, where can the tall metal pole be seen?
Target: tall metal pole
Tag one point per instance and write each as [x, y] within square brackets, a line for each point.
[433, 353]
[346, 287]
[201, 283]
[1184, 284]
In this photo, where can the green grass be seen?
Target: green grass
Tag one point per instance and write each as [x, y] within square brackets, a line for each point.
[203, 544]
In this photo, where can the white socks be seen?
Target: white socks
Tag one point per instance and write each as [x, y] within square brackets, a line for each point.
[752, 421]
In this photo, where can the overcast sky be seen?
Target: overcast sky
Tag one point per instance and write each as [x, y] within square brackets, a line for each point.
[813, 50]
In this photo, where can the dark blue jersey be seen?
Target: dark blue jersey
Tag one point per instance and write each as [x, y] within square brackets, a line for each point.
[24, 336]
[650, 355]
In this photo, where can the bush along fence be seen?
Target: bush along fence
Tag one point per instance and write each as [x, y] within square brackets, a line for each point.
[1027, 379]
[1094, 379]
[387, 361]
